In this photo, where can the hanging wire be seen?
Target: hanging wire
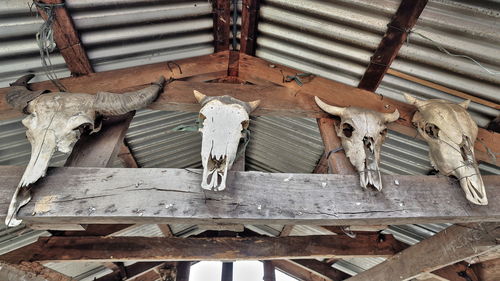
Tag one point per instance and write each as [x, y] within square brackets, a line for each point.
[46, 43]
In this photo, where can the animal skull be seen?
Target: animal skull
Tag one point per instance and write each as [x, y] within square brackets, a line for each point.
[56, 121]
[362, 132]
[224, 119]
[450, 132]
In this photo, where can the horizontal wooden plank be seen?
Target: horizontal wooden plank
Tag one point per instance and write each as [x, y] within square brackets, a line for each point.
[277, 98]
[131, 78]
[199, 249]
[154, 195]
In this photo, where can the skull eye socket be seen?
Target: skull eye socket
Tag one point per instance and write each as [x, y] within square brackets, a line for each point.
[431, 130]
[383, 132]
[347, 130]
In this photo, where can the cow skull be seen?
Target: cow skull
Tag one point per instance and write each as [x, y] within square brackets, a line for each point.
[450, 132]
[224, 120]
[362, 133]
[55, 122]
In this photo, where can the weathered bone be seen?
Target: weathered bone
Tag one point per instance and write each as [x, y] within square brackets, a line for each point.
[224, 119]
[56, 121]
[362, 133]
[451, 132]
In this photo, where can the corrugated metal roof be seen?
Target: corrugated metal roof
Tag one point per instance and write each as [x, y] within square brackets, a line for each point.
[333, 39]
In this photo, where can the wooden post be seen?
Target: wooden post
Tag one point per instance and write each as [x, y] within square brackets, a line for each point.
[222, 21]
[456, 243]
[269, 274]
[67, 40]
[397, 31]
[227, 271]
[337, 161]
[183, 269]
[249, 21]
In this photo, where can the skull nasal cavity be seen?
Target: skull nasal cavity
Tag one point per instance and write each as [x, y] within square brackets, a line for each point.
[347, 129]
[432, 130]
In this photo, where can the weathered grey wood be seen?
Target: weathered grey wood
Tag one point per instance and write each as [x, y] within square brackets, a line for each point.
[456, 243]
[153, 195]
[30, 271]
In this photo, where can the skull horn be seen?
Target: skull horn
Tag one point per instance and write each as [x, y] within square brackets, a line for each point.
[465, 104]
[391, 117]
[413, 100]
[20, 95]
[334, 110]
[117, 104]
[199, 96]
[253, 105]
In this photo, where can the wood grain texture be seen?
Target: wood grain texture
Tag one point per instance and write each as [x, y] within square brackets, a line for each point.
[222, 23]
[32, 271]
[153, 195]
[456, 243]
[198, 249]
[321, 269]
[132, 78]
[253, 69]
[402, 21]
[132, 271]
[297, 271]
[249, 21]
[68, 41]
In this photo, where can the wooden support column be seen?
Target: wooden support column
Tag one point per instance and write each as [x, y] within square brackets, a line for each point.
[397, 31]
[269, 274]
[183, 269]
[227, 271]
[67, 40]
[249, 21]
[222, 22]
[337, 161]
[456, 243]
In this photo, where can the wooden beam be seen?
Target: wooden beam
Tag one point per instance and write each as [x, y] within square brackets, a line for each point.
[457, 272]
[132, 270]
[456, 243]
[154, 195]
[222, 23]
[249, 21]
[337, 161]
[122, 80]
[199, 249]
[269, 274]
[297, 271]
[488, 270]
[67, 40]
[227, 271]
[287, 99]
[321, 269]
[397, 31]
[183, 270]
[126, 157]
[442, 88]
[256, 70]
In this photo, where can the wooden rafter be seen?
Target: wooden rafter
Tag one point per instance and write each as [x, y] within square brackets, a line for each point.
[199, 249]
[132, 271]
[298, 271]
[456, 243]
[67, 40]
[283, 198]
[321, 269]
[337, 160]
[222, 24]
[249, 21]
[397, 31]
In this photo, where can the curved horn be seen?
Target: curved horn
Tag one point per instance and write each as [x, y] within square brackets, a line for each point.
[391, 117]
[199, 96]
[465, 104]
[334, 110]
[20, 95]
[118, 104]
[413, 100]
[253, 105]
